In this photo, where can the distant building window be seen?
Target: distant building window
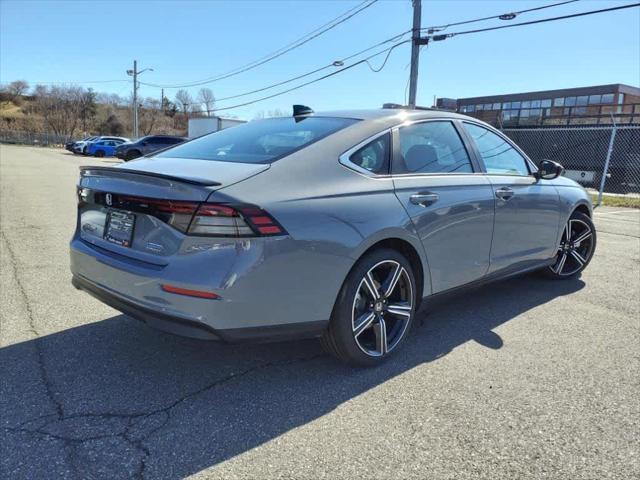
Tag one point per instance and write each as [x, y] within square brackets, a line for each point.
[515, 104]
[607, 98]
[558, 102]
[535, 112]
[570, 101]
[479, 107]
[535, 104]
[487, 106]
[582, 100]
[524, 113]
[547, 112]
[496, 106]
[506, 105]
[463, 109]
[526, 104]
[545, 103]
[471, 108]
[579, 110]
[594, 99]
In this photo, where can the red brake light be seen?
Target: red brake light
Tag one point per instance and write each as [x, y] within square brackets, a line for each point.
[204, 219]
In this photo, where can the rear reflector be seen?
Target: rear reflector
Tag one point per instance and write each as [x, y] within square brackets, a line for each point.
[190, 293]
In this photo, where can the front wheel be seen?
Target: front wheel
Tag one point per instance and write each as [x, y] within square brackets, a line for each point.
[577, 245]
[374, 310]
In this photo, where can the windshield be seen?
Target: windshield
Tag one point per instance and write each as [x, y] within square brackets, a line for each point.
[260, 141]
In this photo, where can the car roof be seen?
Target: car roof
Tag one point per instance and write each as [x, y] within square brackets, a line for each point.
[390, 114]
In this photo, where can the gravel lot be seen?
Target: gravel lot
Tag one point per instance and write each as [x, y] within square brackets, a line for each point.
[526, 378]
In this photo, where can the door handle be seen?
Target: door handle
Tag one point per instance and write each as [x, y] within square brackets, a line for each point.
[424, 198]
[505, 193]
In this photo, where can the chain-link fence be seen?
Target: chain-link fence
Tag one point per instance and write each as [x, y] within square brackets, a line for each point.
[32, 138]
[603, 158]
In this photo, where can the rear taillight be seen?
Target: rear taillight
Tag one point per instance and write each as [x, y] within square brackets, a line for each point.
[202, 219]
[212, 219]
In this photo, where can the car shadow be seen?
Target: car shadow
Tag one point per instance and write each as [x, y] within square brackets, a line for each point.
[115, 399]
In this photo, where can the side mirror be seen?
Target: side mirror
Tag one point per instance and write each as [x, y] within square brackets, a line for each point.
[548, 170]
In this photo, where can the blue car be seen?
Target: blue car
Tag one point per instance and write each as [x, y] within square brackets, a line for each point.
[103, 148]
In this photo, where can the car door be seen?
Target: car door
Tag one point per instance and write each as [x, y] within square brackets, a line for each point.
[527, 210]
[448, 199]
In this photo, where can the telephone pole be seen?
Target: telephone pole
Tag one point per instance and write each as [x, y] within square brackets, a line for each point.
[134, 73]
[135, 99]
[415, 52]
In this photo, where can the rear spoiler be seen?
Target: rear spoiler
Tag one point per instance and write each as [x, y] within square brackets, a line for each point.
[86, 170]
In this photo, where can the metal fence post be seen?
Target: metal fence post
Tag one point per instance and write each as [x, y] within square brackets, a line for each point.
[606, 161]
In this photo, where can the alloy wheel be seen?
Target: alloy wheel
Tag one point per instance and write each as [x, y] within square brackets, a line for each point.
[576, 248]
[382, 308]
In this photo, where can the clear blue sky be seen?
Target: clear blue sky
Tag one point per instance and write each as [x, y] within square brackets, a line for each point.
[79, 41]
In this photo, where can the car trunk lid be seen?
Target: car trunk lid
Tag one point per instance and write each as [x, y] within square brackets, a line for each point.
[137, 209]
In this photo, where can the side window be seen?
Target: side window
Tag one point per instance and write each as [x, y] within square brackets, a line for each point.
[431, 147]
[374, 156]
[498, 156]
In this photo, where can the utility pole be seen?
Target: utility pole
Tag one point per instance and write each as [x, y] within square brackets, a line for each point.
[135, 99]
[162, 99]
[415, 52]
[134, 73]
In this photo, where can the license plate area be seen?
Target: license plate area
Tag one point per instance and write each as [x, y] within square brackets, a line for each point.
[119, 227]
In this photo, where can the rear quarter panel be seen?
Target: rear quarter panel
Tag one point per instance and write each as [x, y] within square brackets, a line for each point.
[332, 214]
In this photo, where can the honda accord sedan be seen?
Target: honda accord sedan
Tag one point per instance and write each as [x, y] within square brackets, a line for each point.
[334, 225]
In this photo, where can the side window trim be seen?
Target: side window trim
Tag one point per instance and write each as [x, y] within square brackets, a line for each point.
[345, 158]
[531, 166]
[475, 165]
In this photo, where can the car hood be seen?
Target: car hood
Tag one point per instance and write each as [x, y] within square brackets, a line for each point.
[223, 173]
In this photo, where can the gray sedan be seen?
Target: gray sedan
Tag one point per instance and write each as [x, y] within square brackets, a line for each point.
[336, 225]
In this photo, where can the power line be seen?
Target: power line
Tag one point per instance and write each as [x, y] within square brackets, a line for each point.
[278, 53]
[79, 83]
[359, 62]
[532, 22]
[335, 63]
[503, 16]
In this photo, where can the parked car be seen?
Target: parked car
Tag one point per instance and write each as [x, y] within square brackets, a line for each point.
[103, 148]
[335, 225]
[82, 147]
[71, 145]
[146, 145]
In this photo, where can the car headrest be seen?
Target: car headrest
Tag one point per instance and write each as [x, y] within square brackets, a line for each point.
[419, 156]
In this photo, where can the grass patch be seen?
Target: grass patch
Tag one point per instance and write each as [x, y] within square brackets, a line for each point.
[611, 201]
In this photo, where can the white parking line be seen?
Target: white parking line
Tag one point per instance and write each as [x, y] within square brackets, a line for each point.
[628, 210]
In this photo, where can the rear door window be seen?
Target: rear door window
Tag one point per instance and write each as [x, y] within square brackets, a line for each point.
[431, 147]
[260, 141]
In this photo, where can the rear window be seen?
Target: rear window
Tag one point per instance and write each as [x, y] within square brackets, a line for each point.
[260, 141]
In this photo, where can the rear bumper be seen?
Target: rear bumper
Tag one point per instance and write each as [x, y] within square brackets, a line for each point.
[187, 327]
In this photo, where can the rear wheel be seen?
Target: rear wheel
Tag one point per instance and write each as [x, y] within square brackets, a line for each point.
[374, 310]
[576, 249]
[100, 153]
[131, 155]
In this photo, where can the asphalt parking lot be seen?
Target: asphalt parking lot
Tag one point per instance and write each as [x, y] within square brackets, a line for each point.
[525, 378]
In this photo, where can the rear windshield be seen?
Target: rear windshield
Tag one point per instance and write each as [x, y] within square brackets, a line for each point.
[260, 141]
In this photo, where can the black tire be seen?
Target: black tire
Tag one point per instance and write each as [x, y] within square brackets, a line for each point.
[100, 153]
[132, 154]
[397, 310]
[577, 251]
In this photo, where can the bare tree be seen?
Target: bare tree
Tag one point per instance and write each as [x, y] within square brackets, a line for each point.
[206, 98]
[184, 101]
[16, 89]
[150, 114]
[61, 108]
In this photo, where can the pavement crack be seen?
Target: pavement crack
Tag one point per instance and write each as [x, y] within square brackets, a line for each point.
[46, 380]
